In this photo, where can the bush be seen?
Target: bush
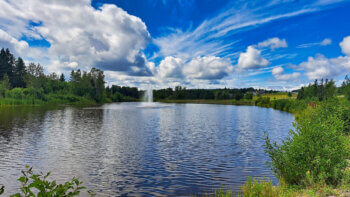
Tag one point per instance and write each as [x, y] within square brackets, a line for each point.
[37, 185]
[16, 93]
[317, 148]
[37, 93]
[263, 101]
[248, 96]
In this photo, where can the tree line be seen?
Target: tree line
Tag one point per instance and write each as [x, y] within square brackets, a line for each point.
[18, 81]
[182, 93]
[324, 89]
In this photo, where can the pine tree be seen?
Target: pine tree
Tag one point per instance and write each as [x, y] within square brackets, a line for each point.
[20, 71]
[62, 78]
[7, 62]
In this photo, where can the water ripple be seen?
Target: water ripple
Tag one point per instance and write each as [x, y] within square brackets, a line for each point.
[130, 149]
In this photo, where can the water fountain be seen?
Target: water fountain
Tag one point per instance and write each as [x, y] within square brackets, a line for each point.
[148, 98]
[149, 94]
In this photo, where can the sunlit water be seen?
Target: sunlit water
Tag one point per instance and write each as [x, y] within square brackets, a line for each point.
[141, 149]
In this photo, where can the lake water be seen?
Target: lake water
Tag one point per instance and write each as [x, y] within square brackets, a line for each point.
[133, 149]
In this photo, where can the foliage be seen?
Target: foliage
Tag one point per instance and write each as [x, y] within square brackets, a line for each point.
[263, 101]
[28, 84]
[2, 189]
[314, 149]
[181, 93]
[122, 93]
[345, 87]
[33, 184]
[248, 96]
[324, 90]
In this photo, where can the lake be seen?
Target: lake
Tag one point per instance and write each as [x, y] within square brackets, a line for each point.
[135, 149]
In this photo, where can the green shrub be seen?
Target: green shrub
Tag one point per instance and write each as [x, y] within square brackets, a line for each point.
[16, 93]
[317, 148]
[248, 96]
[2, 189]
[33, 185]
[263, 101]
[37, 93]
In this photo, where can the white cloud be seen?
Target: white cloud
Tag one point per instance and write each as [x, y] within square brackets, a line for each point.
[324, 42]
[278, 73]
[321, 67]
[108, 37]
[274, 43]
[205, 68]
[7, 41]
[170, 67]
[251, 59]
[345, 45]
[208, 38]
[208, 67]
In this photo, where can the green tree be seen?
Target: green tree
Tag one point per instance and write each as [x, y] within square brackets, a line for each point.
[7, 62]
[19, 73]
[4, 85]
[346, 87]
[98, 84]
[62, 78]
[330, 89]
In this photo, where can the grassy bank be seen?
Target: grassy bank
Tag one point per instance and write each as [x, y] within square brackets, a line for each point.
[51, 99]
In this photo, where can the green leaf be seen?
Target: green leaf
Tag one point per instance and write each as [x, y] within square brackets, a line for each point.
[48, 174]
[22, 179]
[2, 189]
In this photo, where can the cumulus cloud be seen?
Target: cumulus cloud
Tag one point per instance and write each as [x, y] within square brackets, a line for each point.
[251, 59]
[274, 43]
[278, 73]
[345, 45]
[205, 68]
[321, 67]
[208, 67]
[170, 67]
[107, 37]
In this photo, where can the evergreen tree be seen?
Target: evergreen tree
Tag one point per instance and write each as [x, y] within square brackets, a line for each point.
[20, 71]
[62, 78]
[7, 62]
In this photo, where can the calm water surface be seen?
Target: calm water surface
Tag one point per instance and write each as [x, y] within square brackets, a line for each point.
[132, 149]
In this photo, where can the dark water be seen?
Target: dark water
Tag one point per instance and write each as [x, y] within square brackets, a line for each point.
[129, 149]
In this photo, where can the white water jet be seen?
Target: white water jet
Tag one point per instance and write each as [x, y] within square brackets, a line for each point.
[149, 94]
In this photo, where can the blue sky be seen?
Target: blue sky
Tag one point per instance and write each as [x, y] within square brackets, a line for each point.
[274, 44]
